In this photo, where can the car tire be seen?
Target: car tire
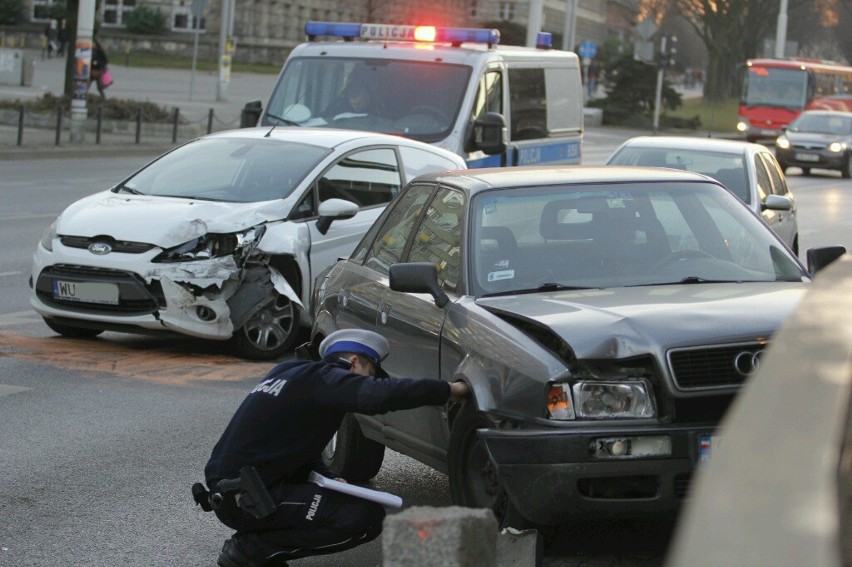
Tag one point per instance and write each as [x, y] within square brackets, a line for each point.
[270, 332]
[351, 455]
[846, 170]
[473, 480]
[71, 331]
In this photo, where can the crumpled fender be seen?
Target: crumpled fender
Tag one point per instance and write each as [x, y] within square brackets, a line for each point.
[284, 288]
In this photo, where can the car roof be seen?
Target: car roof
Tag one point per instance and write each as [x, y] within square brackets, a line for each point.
[475, 180]
[693, 143]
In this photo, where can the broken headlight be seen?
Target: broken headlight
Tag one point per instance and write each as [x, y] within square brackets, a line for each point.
[213, 245]
[590, 399]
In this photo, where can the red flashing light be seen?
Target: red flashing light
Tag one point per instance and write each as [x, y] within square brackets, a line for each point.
[425, 33]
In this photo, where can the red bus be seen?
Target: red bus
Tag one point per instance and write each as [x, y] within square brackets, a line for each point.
[775, 91]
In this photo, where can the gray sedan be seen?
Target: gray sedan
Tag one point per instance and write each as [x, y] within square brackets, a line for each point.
[604, 318]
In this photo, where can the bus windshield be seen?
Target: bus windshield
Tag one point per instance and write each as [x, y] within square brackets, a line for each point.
[419, 100]
[773, 87]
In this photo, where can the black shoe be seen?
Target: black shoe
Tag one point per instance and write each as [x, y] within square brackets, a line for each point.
[232, 556]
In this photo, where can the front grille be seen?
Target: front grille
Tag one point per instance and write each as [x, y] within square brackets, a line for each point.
[810, 146]
[712, 367]
[135, 298]
[681, 486]
[122, 246]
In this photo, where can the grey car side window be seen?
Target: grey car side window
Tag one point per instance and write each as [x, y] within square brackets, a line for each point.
[779, 187]
[438, 237]
[389, 245]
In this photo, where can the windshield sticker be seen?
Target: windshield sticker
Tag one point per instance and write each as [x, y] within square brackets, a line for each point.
[502, 264]
[501, 275]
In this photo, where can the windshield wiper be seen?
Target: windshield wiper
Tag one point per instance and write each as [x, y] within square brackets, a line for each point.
[286, 121]
[125, 189]
[542, 288]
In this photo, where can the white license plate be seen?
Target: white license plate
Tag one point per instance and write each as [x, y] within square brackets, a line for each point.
[769, 132]
[86, 292]
[706, 444]
[807, 157]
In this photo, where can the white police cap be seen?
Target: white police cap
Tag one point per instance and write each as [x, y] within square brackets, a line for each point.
[367, 343]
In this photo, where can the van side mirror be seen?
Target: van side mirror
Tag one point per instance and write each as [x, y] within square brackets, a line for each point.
[251, 114]
[418, 277]
[819, 258]
[490, 133]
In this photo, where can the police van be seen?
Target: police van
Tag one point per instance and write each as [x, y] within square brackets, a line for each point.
[456, 88]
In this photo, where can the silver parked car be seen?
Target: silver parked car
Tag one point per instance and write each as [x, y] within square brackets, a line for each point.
[749, 170]
[604, 317]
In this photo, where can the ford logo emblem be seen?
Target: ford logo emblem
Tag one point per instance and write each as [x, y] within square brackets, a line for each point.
[100, 248]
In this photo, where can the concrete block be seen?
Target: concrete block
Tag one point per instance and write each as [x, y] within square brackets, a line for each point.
[519, 548]
[592, 116]
[451, 537]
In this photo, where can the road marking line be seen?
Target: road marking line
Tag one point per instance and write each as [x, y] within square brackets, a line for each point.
[7, 390]
[4, 274]
[28, 217]
[18, 318]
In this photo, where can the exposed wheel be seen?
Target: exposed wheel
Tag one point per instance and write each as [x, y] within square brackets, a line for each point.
[473, 478]
[270, 332]
[71, 331]
[806, 171]
[351, 455]
[846, 170]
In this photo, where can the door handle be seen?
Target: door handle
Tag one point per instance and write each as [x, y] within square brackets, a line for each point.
[383, 313]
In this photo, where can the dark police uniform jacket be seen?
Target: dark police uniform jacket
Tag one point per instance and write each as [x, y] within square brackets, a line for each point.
[286, 421]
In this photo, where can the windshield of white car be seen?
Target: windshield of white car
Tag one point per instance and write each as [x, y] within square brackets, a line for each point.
[630, 234]
[415, 99]
[237, 170]
[728, 168]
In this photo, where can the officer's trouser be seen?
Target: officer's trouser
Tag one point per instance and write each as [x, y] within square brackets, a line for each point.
[308, 520]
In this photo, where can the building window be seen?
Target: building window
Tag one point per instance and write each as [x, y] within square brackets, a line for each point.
[474, 8]
[182, 19]
[506, 11]
[41, 10]
[114, 11]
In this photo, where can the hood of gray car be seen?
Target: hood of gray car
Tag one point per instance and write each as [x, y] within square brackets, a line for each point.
[815, 138]
[623, 322]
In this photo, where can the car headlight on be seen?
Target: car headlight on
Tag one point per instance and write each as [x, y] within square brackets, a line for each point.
[742, 126]
[213, 245]
[837, 147]
[782, 143]
[49, 235]
[593, 399]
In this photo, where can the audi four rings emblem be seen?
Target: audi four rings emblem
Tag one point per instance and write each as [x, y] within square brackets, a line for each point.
[746, 363]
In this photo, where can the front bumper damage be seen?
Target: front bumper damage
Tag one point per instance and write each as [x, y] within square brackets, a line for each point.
[552, 476]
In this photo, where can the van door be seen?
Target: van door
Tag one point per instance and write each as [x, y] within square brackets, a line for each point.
[545, 115]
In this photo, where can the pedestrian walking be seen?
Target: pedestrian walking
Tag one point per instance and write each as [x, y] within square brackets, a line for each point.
[62, 36]
[279, 432]
[100, 72]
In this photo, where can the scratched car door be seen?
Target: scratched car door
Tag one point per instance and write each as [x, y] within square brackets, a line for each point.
[412, 322]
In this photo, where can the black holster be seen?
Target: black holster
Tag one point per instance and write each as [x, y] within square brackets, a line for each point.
[248, 492]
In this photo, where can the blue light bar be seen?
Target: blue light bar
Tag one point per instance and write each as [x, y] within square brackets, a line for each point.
[544, 40]
[389, 32]
[468, 35]
[333, 29]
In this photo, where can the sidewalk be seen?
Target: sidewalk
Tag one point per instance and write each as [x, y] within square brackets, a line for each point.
[194, 94]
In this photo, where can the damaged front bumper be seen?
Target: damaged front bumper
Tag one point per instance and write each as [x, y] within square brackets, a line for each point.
[208, 299]
[556, 476]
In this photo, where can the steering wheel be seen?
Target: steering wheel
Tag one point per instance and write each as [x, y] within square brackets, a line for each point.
[430, 111]
[679, 256]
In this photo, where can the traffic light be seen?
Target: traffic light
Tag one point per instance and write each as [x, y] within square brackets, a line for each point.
[668, 50]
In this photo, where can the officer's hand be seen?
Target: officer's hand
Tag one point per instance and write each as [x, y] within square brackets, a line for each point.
[459, 391]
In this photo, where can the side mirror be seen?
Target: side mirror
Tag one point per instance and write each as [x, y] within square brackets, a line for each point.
[332, 209]
[777, 203]
[819, 258]
[418, 277]
[251, 114]
[490, 133]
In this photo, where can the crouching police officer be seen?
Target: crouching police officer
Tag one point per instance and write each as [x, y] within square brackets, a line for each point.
[276, 438]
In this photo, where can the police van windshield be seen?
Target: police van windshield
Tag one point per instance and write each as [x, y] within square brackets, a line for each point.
[419, 100]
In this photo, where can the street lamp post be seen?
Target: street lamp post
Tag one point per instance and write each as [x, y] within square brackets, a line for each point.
[781, 31]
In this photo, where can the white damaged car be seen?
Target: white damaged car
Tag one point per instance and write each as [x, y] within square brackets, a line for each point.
[221, 237]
